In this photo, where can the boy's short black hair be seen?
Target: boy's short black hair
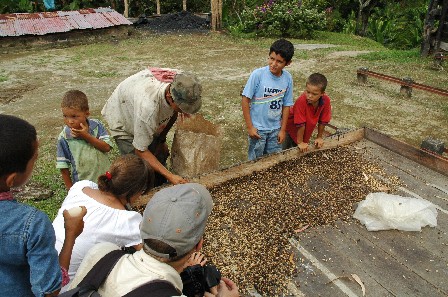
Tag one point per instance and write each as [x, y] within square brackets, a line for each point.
[317, 79]
[75, 99]
[17, 138]
[163, 248]
[283, 48]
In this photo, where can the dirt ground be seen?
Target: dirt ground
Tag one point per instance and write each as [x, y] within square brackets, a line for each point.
[32, 81]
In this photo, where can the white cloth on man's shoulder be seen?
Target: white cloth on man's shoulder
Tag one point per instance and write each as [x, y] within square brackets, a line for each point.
[130, 272]
[101, 224]
[137, 109]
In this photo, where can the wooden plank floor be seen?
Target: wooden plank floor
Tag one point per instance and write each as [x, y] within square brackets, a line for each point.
[390, 263]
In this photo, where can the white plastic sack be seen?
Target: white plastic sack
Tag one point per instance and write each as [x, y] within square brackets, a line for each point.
[382, 211]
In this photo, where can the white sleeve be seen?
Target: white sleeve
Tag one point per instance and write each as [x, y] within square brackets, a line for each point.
[128, 230]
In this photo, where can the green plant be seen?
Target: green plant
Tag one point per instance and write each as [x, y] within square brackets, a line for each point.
[411, 33]
[3, 78]
[397, 25]
[283, 18]
[74, 5]
[334, 20]
[13, 6]
[25, 6]
[237, 30]
[349, 26]
[381, 30]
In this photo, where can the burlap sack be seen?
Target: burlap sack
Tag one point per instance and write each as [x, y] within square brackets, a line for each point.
[196, 147]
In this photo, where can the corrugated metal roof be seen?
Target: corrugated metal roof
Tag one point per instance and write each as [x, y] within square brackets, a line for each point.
[18, 24]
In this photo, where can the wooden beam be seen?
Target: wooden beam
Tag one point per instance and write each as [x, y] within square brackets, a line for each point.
[425, 158]
[246, 168]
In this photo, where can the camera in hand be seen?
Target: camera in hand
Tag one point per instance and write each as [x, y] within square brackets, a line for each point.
[199, 279]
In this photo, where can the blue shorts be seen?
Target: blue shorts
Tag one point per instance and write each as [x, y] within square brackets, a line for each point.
[267, 144]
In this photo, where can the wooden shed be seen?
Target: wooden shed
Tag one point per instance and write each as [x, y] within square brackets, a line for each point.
[60, 26]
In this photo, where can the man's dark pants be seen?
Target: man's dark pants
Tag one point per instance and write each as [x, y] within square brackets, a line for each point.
[157, 148]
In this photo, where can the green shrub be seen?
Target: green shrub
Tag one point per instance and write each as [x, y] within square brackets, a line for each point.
[397, 25]
[283, 18]
[350, 24]
[382, 30]
[14, 6]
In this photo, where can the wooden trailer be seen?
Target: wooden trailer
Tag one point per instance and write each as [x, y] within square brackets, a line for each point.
[343, 258]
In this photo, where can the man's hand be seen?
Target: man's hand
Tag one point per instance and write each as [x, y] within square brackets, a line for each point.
[253, 133]
[303, 146]
[81, 133]
[226, 288]
[319, 142]
[281, 136]
[176, 179]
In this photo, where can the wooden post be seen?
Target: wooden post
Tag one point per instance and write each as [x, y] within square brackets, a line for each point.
[438, 60]
[184, 5]
[216, 6]
[158, 7]
[361, 75]
[406, 87]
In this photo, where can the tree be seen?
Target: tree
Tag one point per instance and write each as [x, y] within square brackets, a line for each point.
[126, 8]
[216, 6]
[365, 8]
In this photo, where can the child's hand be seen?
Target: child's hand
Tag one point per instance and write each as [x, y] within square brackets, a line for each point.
[196, 258]
[74, 225]
[303, 146]
[81, 133]
[319, 142]
[281, 136]
[253, 133]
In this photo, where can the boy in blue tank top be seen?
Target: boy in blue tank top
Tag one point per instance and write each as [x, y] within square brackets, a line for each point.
[266, 100]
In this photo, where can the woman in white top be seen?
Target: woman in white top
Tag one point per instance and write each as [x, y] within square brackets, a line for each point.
[109, 216]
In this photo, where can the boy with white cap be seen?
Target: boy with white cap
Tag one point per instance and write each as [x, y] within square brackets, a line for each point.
[172, 230]
[142, 110]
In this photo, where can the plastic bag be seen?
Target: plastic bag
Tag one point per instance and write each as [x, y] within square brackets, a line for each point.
[382, 211]
[196, 147]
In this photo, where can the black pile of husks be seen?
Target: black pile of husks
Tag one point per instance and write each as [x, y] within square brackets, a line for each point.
[173, 22]
[253, 217]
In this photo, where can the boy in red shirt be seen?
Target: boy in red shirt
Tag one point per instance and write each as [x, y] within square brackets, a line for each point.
[311, 108]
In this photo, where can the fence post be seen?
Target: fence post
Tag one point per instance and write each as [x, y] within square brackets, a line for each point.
[438, 59]
[362, 75]
[406, 86]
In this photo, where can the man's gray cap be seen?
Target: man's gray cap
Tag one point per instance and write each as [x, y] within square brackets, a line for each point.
[186, 92]
[177, 216]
